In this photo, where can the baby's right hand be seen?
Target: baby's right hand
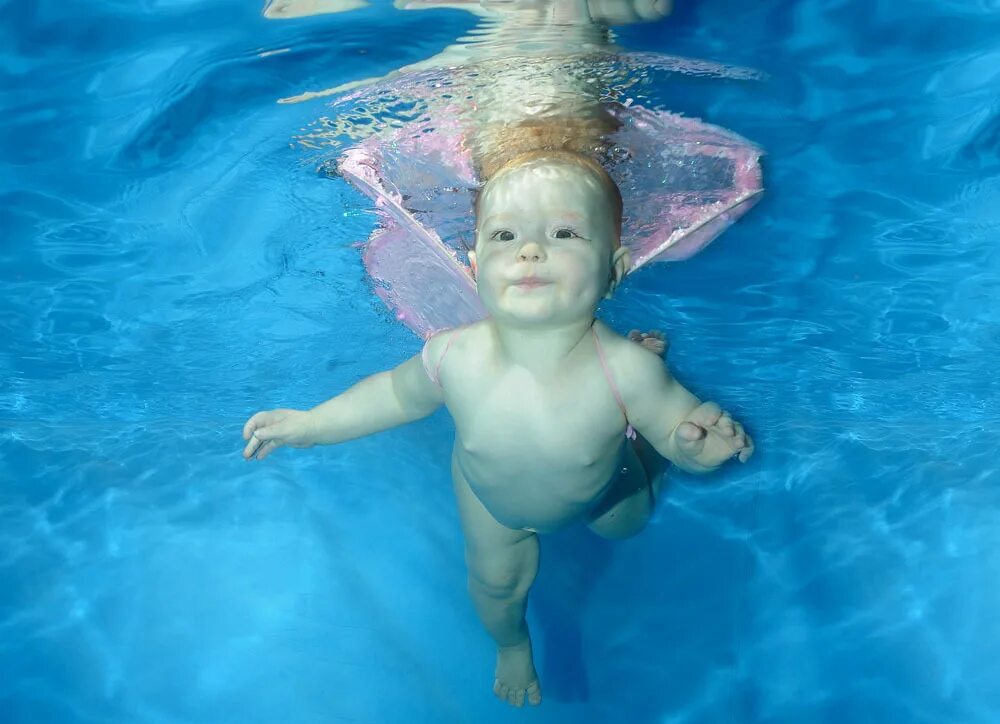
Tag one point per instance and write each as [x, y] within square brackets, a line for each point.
[269, 430]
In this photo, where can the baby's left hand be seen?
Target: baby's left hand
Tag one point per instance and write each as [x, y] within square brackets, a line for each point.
[709, 436]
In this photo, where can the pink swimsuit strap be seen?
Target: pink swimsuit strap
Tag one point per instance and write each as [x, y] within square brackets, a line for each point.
[435, 374]
[629, 430]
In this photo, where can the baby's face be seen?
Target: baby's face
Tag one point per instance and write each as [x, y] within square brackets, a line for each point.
[545, 244]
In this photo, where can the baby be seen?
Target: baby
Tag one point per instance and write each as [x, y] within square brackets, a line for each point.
[558, 418]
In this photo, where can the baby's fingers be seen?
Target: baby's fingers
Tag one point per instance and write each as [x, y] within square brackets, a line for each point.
[706, 415]
[726, 427]
[691, 438]
[263, 441]
[250, 425]
[250, 449]
[269, 434]
[747, 450]
[265, 448]
[260, 420]
[741, 443]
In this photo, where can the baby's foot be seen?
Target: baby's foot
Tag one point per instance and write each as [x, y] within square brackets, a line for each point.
[655, 341]
[516, 679]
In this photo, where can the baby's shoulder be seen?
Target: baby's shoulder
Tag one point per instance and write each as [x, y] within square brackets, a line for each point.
[452, 346]
[634, 366]
[456, 339]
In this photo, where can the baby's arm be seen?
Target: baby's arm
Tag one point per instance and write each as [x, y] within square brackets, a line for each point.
[377, 403]
[694, 435]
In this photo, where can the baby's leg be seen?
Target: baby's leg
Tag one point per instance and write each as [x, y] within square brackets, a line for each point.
[627, 507]
[502, 566]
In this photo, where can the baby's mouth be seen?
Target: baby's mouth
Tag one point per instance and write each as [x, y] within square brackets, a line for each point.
[531, 283]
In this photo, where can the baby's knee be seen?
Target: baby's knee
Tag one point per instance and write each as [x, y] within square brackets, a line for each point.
[501, 576]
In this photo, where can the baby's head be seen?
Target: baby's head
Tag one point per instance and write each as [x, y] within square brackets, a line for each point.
[548, 238]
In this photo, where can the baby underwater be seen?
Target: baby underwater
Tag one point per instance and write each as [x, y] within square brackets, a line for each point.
[558, 418]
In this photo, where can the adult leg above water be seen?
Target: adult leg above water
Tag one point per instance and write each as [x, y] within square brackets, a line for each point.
[502, 565]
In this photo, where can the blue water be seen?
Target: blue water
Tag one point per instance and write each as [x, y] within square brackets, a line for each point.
[171, 262]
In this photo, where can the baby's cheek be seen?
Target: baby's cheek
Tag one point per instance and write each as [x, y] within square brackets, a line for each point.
[592, 276]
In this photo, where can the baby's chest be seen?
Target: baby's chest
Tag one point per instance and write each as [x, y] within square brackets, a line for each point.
[575, 420]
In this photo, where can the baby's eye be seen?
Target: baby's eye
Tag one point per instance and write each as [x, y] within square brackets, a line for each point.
[503, 235]
[565, 234]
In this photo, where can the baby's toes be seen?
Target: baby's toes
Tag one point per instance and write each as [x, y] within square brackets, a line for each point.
[534, 693]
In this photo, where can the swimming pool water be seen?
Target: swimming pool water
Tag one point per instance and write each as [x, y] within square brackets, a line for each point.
[171, 262]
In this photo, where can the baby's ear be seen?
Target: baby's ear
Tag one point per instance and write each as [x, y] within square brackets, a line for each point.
[621, 262]
[472, 263]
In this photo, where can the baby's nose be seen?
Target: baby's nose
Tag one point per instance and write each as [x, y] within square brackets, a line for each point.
[531, 251]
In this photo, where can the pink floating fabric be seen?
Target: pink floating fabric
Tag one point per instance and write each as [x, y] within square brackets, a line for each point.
[683, 182]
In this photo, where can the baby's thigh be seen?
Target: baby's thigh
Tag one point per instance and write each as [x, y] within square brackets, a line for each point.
[497, 556]
[627, 506]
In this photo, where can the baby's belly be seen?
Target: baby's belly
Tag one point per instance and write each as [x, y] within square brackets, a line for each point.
[537, 496]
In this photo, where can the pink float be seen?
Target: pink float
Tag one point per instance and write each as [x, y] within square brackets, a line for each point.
[683, 182]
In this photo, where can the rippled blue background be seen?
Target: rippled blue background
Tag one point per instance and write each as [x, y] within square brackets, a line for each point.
[171, 263]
